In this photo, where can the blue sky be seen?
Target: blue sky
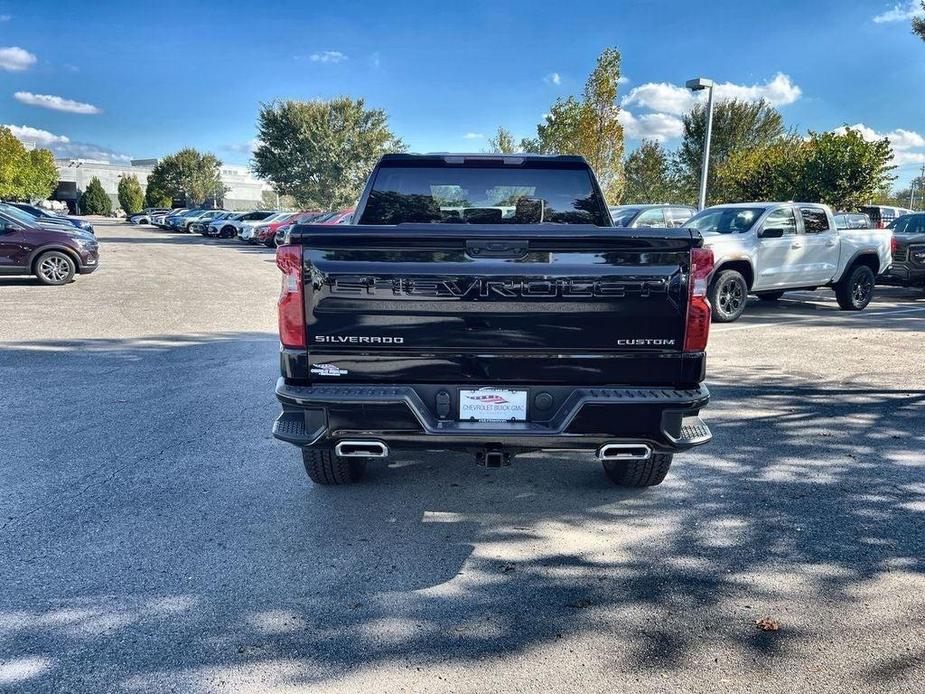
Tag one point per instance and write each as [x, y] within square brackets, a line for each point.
[119, 78]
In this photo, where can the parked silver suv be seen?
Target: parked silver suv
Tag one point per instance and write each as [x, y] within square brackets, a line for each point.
[645, 216]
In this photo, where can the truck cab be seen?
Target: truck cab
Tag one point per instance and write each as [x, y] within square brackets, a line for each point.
[767, 249]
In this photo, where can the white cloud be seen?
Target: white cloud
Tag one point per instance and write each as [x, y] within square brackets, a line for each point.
[63, 147]
[904, 158]
[676, 100]
[904, 142]
[623, 79]
[780, 91]
[5, 17]
[328, 57]
[15, 59]
[901, 12]
[42, 138]
[553, 78]
[651, 126]
[56, 103]
[245, 147]
[473, 136]
[662, 97]
[900, 138]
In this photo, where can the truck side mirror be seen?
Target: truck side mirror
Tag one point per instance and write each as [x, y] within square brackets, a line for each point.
[772, 233]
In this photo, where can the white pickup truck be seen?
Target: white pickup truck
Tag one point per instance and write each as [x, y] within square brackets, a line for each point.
[767, 248]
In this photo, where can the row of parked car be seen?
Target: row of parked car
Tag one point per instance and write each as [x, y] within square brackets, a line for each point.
[766, 249]
[267, 227]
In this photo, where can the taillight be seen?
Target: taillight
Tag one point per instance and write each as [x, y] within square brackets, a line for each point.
[290, 305]
[697, 328]
[894, 245]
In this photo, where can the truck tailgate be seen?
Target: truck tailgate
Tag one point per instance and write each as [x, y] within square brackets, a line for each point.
[426, 303]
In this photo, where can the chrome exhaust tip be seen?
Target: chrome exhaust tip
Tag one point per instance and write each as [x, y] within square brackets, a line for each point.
[624, 451]
[361, 449]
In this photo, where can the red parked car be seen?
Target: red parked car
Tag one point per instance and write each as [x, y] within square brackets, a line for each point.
[339, 217]
[265, 233]
[303, 217]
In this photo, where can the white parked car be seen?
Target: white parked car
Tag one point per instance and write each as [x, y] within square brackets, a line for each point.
[767, 248]
[229, 228]
[249, 228]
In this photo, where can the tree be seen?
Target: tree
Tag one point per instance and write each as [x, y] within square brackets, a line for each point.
[502, 142]
[737, 126]
[130, 195]
[12, 163]
[767, 172]
[649, 175]
[918, 24]
[843, 169]
[41, 177]
[589, 126]
[321, 152]
[188, 173]
[840, 169]
[156, 196]
[94, 199]
[25, 174]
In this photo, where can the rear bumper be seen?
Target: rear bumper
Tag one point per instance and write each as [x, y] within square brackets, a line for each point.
[903, 274]
[405, 417]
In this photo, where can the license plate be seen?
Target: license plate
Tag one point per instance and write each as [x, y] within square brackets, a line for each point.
[493, 405]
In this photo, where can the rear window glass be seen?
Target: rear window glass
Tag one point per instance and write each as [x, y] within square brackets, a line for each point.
[909, 224]
[490, 195]
[623, 215]
[814, 220]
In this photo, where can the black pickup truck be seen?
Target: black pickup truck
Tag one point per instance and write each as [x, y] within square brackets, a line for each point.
[485, 303]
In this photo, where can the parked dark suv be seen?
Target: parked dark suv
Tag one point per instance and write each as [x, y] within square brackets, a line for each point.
[53, 253]
[908, 268]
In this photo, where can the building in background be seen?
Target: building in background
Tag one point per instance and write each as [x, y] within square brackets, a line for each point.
[244, 190]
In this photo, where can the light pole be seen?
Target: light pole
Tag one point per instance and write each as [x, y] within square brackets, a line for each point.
[697, 85]
[76, 164]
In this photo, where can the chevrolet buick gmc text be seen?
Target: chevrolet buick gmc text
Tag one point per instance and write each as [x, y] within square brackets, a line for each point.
[486, 304]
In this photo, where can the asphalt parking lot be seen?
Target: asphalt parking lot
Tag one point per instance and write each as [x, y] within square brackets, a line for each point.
[154, 537]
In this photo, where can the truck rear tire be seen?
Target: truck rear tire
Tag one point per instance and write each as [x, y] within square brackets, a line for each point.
[638, 473]
[856, 289]
[323, 467]
[728, 295]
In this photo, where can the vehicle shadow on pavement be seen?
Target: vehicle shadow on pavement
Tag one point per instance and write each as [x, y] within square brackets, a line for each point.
[154, 536]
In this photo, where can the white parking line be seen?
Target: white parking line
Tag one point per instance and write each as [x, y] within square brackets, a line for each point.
[804, 320]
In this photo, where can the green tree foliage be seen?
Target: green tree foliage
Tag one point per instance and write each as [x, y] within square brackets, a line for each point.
[649, 175]
[94, 199]
[840, 169]
[41, 175]
[766, 172]
[589, 126]
[131, 198]
[918, 24]
[321, 152]
[737, 126]
[187, 173]
[502, 142]
[24, 174]
[843, 169]
[156, 197]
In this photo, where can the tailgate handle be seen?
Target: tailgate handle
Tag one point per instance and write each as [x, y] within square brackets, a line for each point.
[497, 249]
